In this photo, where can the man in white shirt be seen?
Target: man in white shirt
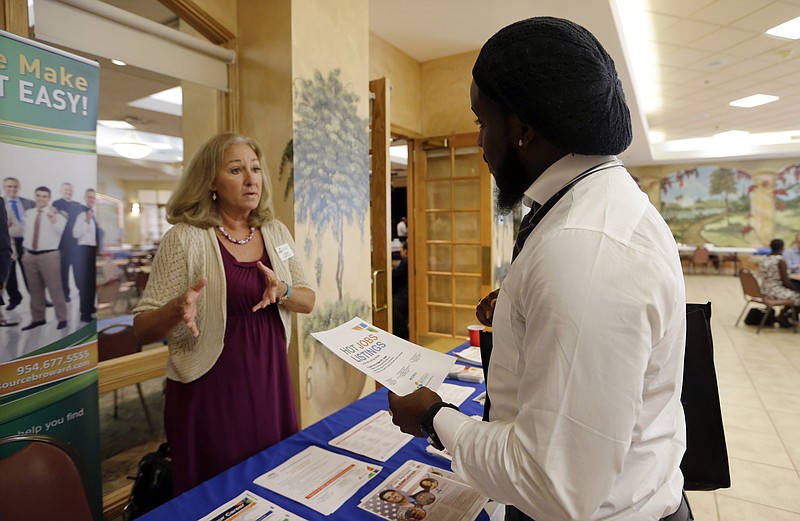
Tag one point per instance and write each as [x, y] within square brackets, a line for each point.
[792, 255]
[589, 324]
[16, 207]
[86, 233]
[402, 229]
[42, 260]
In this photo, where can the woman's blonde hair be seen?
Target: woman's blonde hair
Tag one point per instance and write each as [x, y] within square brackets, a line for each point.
[191, 202]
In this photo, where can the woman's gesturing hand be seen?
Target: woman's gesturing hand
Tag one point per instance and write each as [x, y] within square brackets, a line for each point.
[188, 305]
[270, 294]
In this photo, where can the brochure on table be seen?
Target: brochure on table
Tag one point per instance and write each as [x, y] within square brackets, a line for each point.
[319, 479]
[250, 507]
[419, 491]
[396, 363]
[376, 437]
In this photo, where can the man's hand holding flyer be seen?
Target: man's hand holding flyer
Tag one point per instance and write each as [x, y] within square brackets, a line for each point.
[396, 363]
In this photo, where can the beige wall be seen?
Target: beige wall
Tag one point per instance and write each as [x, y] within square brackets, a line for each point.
[265, 88]
[404, 75]
[445, 95]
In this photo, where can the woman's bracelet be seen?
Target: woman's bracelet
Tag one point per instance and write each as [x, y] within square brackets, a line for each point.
[287, 295]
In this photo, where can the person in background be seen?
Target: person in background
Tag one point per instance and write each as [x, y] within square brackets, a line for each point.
[5, 259]
[86, 234]
[71, 209]
[16, 207]
[589, 325]
[223, 285]
[792, 255]
[400, 294]
[775, 280]
[402, 229]
[42, 259]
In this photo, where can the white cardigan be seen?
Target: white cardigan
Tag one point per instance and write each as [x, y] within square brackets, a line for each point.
[185, 254]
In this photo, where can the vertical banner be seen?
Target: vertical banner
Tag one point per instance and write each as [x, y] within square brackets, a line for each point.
[48, 348]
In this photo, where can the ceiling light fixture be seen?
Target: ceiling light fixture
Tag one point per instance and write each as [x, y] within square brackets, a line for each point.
[118, 62]
[115, 123]
[753, 101]
[789, 30]
[132, 150]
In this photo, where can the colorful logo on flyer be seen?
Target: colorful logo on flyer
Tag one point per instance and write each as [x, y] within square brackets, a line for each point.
[364, 326]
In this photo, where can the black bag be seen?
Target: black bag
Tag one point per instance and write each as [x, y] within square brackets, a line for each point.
[755, 316]
[153, 484]
[705, 463]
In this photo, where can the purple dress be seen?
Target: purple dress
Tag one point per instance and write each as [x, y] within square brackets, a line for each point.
[245, 403]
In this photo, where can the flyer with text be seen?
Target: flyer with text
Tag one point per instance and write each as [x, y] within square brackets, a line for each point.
[420, 491]
[250, 507]
[396, 363]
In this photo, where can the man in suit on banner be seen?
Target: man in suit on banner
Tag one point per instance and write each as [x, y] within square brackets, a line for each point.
[68, 245]
[86, 233]
[16, 207]
[5, 258]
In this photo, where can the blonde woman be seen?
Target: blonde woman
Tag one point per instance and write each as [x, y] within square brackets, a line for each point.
[222, 288]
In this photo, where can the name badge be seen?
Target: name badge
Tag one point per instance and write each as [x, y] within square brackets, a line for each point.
[284, 251]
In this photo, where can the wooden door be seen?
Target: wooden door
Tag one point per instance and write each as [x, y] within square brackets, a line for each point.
[453, 216]
[380, 216]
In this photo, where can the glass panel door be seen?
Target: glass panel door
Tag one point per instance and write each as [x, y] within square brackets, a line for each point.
[454, 246]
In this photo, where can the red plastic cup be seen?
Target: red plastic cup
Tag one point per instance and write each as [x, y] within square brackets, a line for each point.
[475, 335]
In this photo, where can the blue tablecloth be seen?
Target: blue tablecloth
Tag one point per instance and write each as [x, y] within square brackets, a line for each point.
[208, 496]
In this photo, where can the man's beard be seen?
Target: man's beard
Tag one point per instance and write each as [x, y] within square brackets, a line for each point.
[510, 182]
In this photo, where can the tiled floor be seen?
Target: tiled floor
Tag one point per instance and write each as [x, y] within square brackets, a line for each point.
[759, 383]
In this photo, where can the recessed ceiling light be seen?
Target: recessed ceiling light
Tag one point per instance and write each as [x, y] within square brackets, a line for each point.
[732, 134]
[132, 150]
[753, 101]
[118, 62]
[168, 101]
[656, 136]
[113, 123]
[789, 30]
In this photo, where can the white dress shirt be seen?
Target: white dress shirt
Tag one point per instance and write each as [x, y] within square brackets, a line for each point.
[586, 371]
[49, 231]
[85, 232]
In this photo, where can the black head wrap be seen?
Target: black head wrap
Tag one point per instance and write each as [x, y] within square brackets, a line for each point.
[558, 79]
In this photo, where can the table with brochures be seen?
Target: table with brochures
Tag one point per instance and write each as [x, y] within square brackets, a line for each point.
[209, 496]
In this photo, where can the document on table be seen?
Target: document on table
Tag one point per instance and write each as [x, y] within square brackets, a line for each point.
[420, 491]
[250, 507]
[318, 479]
[455, 394]
[396, 363]
[376, 437]
[470, 355]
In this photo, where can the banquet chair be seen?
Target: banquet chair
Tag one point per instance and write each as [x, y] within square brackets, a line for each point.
[42, 478]
[753, 295]
[115, 341]
[701, 257]
[729, 259]
[108, 295]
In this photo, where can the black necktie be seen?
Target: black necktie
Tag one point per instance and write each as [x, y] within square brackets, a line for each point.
[525, 229]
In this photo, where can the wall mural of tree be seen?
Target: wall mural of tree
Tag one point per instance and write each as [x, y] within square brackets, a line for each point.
[332, 141]
[327, 167]
[708, 205]
[787, 202]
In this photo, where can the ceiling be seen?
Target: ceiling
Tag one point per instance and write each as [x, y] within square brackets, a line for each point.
[705, 53]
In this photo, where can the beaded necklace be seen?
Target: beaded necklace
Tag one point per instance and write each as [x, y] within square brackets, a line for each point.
[237, 241]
